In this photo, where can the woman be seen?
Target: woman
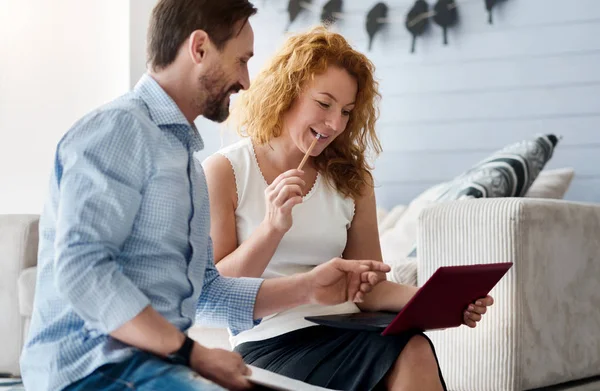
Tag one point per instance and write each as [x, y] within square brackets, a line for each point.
[270, 219]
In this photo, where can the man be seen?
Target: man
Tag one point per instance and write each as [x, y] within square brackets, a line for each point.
[125, 260]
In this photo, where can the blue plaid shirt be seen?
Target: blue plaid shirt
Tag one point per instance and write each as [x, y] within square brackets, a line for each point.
[126, 225]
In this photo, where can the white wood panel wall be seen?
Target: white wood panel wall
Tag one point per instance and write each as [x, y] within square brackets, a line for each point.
[535, 70]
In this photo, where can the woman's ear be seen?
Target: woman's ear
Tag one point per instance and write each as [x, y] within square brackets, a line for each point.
[197, 45]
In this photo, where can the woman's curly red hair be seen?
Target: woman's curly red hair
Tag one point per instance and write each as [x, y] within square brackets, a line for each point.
[258, 112]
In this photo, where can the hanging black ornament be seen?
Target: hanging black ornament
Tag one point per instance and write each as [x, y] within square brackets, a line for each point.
[330, 9]
[294, 9]
[489, 4]
[446, 15]
[374, 20]
[417, 21]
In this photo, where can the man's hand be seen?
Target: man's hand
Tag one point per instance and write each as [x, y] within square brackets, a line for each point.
[474, 312]
[341, 280]
[222, 367]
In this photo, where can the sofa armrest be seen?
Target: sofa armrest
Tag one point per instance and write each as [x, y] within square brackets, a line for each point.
[18, 251]
[544, 327]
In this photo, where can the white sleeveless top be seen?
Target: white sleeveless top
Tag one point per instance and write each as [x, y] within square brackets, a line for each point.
[318, 234]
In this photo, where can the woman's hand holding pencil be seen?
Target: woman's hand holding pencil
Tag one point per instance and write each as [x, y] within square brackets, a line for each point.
[281, 196]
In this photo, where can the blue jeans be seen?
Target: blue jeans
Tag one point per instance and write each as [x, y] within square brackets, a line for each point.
[143, 372]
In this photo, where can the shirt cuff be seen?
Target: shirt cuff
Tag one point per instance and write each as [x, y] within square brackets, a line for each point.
[247, 302]
[229, 302]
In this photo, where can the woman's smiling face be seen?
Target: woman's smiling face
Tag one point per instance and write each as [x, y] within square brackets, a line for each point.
[323, 107]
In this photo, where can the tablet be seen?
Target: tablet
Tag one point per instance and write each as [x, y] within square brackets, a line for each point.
[438, 304]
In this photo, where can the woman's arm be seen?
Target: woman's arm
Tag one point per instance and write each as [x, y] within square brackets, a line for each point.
[363, 243]
[251, 258]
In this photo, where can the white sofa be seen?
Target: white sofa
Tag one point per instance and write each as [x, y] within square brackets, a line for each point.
[544, 329]
[18, 258]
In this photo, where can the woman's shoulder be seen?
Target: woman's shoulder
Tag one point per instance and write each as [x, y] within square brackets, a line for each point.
[241, 146]
[230, 166]
[235, 155]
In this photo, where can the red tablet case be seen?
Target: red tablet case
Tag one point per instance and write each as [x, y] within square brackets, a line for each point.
[442, 300]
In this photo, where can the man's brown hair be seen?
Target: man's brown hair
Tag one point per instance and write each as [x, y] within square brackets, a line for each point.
[173, 21]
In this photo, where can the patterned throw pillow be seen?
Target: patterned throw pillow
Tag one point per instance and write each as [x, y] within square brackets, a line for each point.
[508, 172]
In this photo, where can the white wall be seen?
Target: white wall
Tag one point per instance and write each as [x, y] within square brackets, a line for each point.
[58, 60]
[444, 108]
[139, 16]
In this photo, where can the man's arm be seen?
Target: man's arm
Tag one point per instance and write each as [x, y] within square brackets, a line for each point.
[330, 283]
[100, 187]
[227, 301]
[237, 302]
[101, 167]
[151, 332]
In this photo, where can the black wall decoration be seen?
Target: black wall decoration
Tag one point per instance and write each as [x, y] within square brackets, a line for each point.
[294, 9]
[446, 15]
[417, 21]
[375, 21]
[489, 4]
[330, 11]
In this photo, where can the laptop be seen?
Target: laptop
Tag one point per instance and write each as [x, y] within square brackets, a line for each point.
[438, 304]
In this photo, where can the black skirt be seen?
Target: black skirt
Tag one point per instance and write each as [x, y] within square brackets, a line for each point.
[330, 357]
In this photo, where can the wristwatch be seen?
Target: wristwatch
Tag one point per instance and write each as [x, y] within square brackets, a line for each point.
[182, 355]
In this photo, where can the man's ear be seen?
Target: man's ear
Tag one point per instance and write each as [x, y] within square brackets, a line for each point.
[197, 45]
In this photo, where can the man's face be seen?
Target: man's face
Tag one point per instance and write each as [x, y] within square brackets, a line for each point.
[227, 74]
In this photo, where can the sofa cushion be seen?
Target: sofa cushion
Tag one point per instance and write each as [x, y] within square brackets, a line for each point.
[18, 251]
[551, 184]
[26, 289]
[390, 218]
[211, 337]
[398, 239]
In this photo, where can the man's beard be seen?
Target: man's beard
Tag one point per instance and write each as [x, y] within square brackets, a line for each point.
[216, 100]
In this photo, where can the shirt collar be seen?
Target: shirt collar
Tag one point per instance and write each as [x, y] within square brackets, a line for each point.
[163, 110]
